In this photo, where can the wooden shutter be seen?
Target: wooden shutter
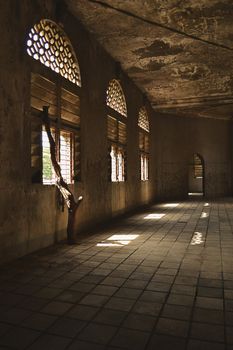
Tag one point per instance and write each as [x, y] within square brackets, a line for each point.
[36, 148]
[112, 129]
[66, 155]
[146, 143]
[77, 156]
[70, 107]
[70, 115]
[43, 93]
[141, 141]
[122, 133]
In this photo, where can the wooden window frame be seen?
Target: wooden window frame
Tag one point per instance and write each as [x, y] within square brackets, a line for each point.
[118, 142]
[59, 123]
[144, 154]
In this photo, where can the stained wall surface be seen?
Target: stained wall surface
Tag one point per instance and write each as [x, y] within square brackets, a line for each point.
[178, 140]
[30, 216]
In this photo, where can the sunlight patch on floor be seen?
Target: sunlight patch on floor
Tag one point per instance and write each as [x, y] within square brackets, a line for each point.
[198, 194]
[117, 240]
[171, 205]
[197, 238]
[154, 216]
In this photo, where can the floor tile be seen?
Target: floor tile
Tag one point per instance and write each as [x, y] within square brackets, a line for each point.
[147, 308]
[49, 342]
[177, 312]
[140, 322]
[172, 327]
[208, 316]
[82, 345]
[67, 327]
[112, 317]
[207, 331]
[204, 345]
[98, 333]
[82, 312]
[122, 304]
[39, 321]
[157, 292]
[165, 342]
[19, 338]
[56, 308]
[130, 339]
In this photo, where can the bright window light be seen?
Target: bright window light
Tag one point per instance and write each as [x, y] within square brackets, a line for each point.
[154, 216]
[106, 244]
[117, 241]
[49, 176]
[197, 238]
[195, 193]
[204, 215]
[124, 242]
[48, 43]
[122, 237]
[206, 205]
[66, 155]
[170, 205]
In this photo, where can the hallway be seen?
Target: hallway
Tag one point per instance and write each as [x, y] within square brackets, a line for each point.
[160, 279]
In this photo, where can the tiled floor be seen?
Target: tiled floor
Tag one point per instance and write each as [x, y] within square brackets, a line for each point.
[161, 279]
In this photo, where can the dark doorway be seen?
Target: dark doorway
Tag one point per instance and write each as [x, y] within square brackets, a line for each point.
[196, 176]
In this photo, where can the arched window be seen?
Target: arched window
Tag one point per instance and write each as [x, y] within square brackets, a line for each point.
[143, 121]
[115, 97]
[117, 111]
[49, 46]
[144, 128]
[48, 43]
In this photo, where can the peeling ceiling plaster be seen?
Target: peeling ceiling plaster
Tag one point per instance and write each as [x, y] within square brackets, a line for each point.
[178, 52]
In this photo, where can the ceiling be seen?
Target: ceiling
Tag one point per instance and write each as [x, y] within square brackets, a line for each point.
[178, 52]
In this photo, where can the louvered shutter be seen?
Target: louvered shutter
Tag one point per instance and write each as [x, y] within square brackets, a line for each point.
[112, 129]
[43, 93]
[122, 133]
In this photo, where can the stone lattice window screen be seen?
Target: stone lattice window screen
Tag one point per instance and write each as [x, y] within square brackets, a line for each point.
[48, 44]
[115, 98]
[143, 121]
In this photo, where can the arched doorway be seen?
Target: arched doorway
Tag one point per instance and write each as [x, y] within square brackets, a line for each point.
[196, 176]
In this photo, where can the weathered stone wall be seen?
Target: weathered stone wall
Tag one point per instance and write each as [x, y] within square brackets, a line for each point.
[30, 217]
[177, 140]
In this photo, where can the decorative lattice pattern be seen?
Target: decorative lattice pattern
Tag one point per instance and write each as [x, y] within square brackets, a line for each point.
[48, 43]
[115, 97]
[143, 121]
